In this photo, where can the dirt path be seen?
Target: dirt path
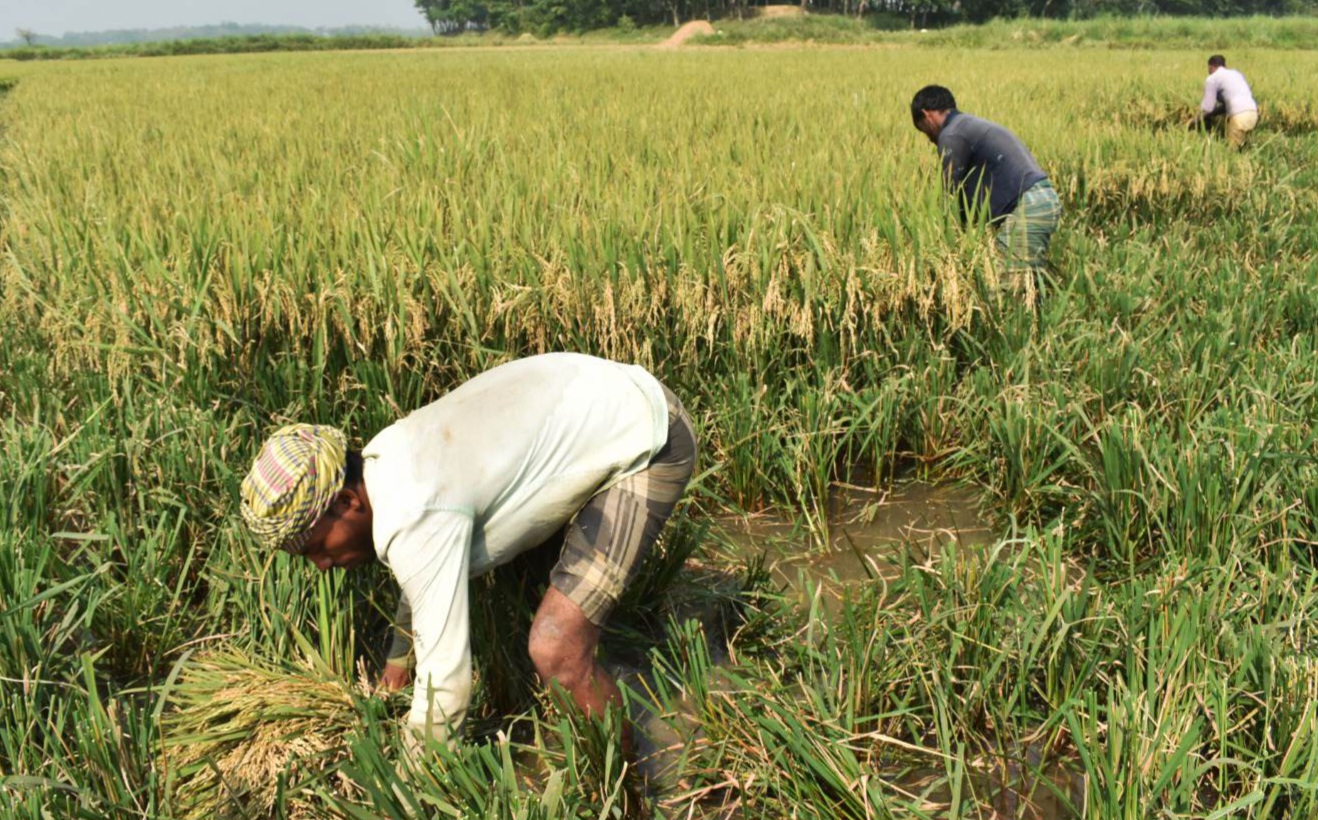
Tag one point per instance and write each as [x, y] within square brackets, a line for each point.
[686, 32]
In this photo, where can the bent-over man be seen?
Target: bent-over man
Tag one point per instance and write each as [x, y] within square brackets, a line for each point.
[987, 166]
[1228, 88]
[488, 471]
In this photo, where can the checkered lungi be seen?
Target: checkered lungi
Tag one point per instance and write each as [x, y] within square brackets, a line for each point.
[1027, 231]
[610, 537]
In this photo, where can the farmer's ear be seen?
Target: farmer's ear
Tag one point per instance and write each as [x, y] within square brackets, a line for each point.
[346, 501]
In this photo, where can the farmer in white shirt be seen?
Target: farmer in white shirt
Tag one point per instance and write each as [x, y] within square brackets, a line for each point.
[490, 470]
[1227, 87]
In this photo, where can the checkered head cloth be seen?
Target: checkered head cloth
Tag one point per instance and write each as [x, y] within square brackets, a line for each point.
[292, 483]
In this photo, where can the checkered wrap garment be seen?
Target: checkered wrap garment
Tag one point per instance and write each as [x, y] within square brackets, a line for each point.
[292, 483]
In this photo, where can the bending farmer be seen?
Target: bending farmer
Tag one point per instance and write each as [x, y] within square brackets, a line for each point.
[1226, 87]
[984, 164]
[490, 470]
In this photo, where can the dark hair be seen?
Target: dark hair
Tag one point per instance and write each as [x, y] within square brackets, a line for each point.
[1217, 60]
[931, 98]
[352, 471]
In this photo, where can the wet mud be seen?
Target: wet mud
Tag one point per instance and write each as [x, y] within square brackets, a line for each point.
[864, 538]
[863, 541]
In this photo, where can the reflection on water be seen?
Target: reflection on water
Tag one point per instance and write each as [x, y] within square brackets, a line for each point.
[865, 535]
[863, 540]
[1027, 785]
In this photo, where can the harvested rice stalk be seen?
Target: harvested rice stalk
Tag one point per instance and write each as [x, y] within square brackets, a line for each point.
[241, 725]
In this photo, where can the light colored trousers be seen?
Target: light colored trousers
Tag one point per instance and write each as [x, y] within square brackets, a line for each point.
[1239, 126]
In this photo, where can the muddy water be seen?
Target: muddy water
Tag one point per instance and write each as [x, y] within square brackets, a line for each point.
[863, 540]
[1024, 786]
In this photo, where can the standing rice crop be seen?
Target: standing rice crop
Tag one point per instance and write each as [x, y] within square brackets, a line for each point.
[193, 251]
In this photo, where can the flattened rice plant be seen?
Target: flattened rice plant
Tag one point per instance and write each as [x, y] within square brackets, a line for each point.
[247, 736]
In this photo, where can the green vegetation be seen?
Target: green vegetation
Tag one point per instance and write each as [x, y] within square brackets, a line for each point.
[1144, 32]
[217, 45]
[547, 16]
[194, 250]
[211, 32]
[1139, 32]
[1108, 31]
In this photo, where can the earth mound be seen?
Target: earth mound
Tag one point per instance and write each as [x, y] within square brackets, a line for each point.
[686, 32]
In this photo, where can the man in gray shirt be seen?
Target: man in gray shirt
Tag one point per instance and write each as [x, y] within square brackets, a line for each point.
[986, 167]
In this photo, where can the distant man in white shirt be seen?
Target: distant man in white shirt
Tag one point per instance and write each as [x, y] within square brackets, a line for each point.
[490, 470]
[1228, 86]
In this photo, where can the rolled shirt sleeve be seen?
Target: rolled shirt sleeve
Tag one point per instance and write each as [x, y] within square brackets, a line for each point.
[430, 559]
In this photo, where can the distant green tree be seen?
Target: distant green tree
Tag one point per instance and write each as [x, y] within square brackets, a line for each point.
[449, 16]
[922, 12]
[981, 11]
[27, 35]
[546, 17]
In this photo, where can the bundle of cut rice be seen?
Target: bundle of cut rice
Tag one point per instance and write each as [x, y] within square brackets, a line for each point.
[238, 725]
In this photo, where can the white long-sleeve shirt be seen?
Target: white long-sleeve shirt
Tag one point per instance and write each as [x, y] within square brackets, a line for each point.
[1230, 85]
[492, 469]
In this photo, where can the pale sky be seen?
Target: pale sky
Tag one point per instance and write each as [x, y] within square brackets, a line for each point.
[58, 17]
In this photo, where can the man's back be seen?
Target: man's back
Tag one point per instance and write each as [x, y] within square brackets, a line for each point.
[515, 450]
[986, 160]
[1231, 87]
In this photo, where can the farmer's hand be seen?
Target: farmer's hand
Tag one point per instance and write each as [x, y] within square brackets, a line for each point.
[394, 677]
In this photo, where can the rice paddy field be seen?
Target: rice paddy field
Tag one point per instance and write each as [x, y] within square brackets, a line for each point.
[194, 250]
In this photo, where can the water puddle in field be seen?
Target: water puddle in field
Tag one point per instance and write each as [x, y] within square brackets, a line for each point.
[1021, 788]
[864, 541]
[865, 536]
[1028, 786]
[867, 533]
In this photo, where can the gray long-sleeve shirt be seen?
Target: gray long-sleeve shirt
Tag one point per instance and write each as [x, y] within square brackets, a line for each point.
[982, 160]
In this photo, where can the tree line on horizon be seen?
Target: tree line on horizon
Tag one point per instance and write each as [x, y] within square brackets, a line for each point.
[548, 17]
[87, 39]
[543, 17]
